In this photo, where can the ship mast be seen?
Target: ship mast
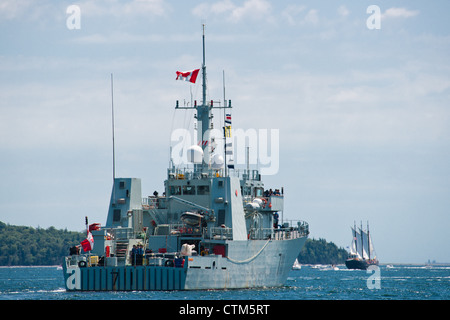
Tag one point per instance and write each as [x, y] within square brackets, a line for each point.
[368, 239]
[204, 68]
[362, 243]
[203, 110]
[113, 143]
[203, 114]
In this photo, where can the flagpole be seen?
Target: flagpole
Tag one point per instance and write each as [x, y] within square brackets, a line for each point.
[87, 237]
[204, 69]
[204, 110]
[113, 143]
[224, 133]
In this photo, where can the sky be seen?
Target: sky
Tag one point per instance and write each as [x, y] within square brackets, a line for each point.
[360, 98]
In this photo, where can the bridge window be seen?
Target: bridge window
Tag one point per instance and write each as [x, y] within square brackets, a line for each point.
[202, 190]
[188, 190]
[175, 190]
[259, 192]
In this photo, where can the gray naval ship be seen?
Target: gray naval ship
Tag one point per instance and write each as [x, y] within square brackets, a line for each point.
[213, 228]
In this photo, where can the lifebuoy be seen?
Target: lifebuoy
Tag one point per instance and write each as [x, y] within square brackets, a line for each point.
[82, 264]
[169, 263]
[264, 202]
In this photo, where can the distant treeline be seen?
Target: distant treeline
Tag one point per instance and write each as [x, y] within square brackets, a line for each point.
[321, 252]
[28, 246]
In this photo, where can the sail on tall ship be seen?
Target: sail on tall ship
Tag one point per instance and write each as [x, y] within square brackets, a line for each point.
[214, 227]
[362, 253]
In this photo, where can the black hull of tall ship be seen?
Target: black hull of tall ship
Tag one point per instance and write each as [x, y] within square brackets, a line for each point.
[360, 264]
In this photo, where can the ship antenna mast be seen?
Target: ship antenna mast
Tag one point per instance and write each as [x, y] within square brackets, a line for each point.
[113, 142]
[368, 238]
[203, 114]
[204, 69]
[203, 111]
[224, 124]
[112, 118]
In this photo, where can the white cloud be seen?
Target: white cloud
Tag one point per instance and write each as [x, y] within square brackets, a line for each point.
[10, 9]
[291, 13]
[222, 6]
[157, 7]
[312, 17]
[119, 9]
[295, 15]
[343, 11]
[399, 13]
[36, 10]
[117, 38]
[128, 38]
[252, 9]
[345, 95]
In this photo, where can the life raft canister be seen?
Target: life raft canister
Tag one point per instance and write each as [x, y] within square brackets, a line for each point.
[169, 263]
[82, 264]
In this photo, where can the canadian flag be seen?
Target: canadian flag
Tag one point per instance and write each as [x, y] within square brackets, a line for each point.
[190, 76]
[88, 243]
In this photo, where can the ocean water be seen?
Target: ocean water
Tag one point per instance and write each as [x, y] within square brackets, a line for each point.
[400, 282]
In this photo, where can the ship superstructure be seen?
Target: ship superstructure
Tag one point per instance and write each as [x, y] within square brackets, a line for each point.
[213, 228]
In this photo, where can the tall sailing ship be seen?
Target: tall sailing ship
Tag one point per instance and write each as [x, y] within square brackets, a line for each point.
[214, 227]
[362, 253]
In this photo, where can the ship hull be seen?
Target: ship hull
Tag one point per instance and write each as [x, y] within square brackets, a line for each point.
[248, 267]
[359, 264]
[250, 264]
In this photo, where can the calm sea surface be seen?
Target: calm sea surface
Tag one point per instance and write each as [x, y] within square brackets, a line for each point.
[400, 282]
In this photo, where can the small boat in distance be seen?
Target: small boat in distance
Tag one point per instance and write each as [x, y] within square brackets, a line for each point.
[297, 265]
[362, 253]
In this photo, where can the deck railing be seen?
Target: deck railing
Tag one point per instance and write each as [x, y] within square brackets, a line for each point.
[277, 234]
[291, 229]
